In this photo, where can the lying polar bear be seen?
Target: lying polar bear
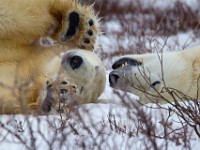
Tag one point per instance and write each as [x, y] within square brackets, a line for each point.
[44, 78]
[159, 77]
[80, 79]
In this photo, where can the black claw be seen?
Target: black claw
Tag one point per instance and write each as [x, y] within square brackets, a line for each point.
[90, 32]
[60, 110]
[86, 40]
[63, 91]
[74, 20]
[82, 47]
[49, 85]
[64, 82]
[91, 22]
[63, 100]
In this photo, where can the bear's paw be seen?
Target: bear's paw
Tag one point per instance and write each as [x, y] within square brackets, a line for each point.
[78, 31]
[60, 96]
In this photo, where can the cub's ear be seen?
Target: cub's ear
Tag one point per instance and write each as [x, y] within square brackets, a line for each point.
[126, 61]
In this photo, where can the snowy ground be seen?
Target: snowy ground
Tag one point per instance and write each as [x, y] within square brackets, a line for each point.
[98, 134]
[96, 118]
[94, 126]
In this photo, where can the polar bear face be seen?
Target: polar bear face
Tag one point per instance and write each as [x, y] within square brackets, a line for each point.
[81, 79]
[84, 69]
[132, 75]
[150, 75]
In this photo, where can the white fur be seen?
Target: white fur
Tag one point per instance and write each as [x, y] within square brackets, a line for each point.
[91, 76]
[174, 70]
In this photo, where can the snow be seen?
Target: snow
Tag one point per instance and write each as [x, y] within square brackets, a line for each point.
[94, 129]
[96, 115]
[169, 4]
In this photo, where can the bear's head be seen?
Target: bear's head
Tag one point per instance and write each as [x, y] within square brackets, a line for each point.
[81, 79]
[138, 74]
[155, 77]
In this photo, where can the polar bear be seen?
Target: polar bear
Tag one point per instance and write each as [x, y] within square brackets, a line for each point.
[159, 77]
[34, 74]
[81, 79]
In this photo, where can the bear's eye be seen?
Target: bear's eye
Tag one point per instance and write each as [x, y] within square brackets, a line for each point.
[155, 83]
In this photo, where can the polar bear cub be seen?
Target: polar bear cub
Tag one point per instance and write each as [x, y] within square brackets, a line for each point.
[159, 78]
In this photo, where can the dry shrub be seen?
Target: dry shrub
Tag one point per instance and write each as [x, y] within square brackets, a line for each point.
[142, 25]
[138, 32]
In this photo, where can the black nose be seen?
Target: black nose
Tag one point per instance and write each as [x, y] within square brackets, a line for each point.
[113, 78]
[75, 62]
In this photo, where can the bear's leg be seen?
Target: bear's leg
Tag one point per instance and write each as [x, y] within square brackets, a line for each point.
[79, 25]
[61, 96]
[67, 21]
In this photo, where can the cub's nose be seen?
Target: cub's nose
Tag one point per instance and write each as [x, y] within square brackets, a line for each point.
[75, 62]
[113, 79]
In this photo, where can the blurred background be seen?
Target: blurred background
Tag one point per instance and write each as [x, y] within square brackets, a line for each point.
[136, 27]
